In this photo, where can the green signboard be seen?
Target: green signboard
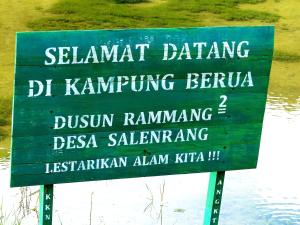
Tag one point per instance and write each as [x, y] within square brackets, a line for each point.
[107, 104]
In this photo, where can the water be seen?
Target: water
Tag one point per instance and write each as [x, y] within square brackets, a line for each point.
[268, 195]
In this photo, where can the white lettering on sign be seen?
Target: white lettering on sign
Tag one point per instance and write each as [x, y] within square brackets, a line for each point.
[215, 50]
[219, 80]
[147, 83]
[151, 160]
[96, 84]
[189, 157]
[86, 165]
[95, 54]
[36, 88]
[147, 159]
[157, 136]
[48, 196]
[87, 141]
[167, 116]
[117, 84]
[143, 83]
[83, 121]
[75, 142]
[126, 53]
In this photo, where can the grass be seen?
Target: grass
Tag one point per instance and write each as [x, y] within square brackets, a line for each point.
[286, 57]
[5, 121]
[5, 112]
[130, 1]
[152, 205]
[26, 206]
[90, 14]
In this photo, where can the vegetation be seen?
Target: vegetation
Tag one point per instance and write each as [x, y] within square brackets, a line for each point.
[286, 57]
[5, 113]
[130, 1]
[28, 204]
[90, 14]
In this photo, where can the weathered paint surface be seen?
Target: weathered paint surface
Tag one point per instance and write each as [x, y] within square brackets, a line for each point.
[201, 110]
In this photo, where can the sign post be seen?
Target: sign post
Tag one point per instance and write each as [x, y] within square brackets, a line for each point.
[111, 104]
[214, 198]
[46, 204]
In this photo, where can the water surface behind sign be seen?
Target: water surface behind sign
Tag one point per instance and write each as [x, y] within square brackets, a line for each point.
[268, 195]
